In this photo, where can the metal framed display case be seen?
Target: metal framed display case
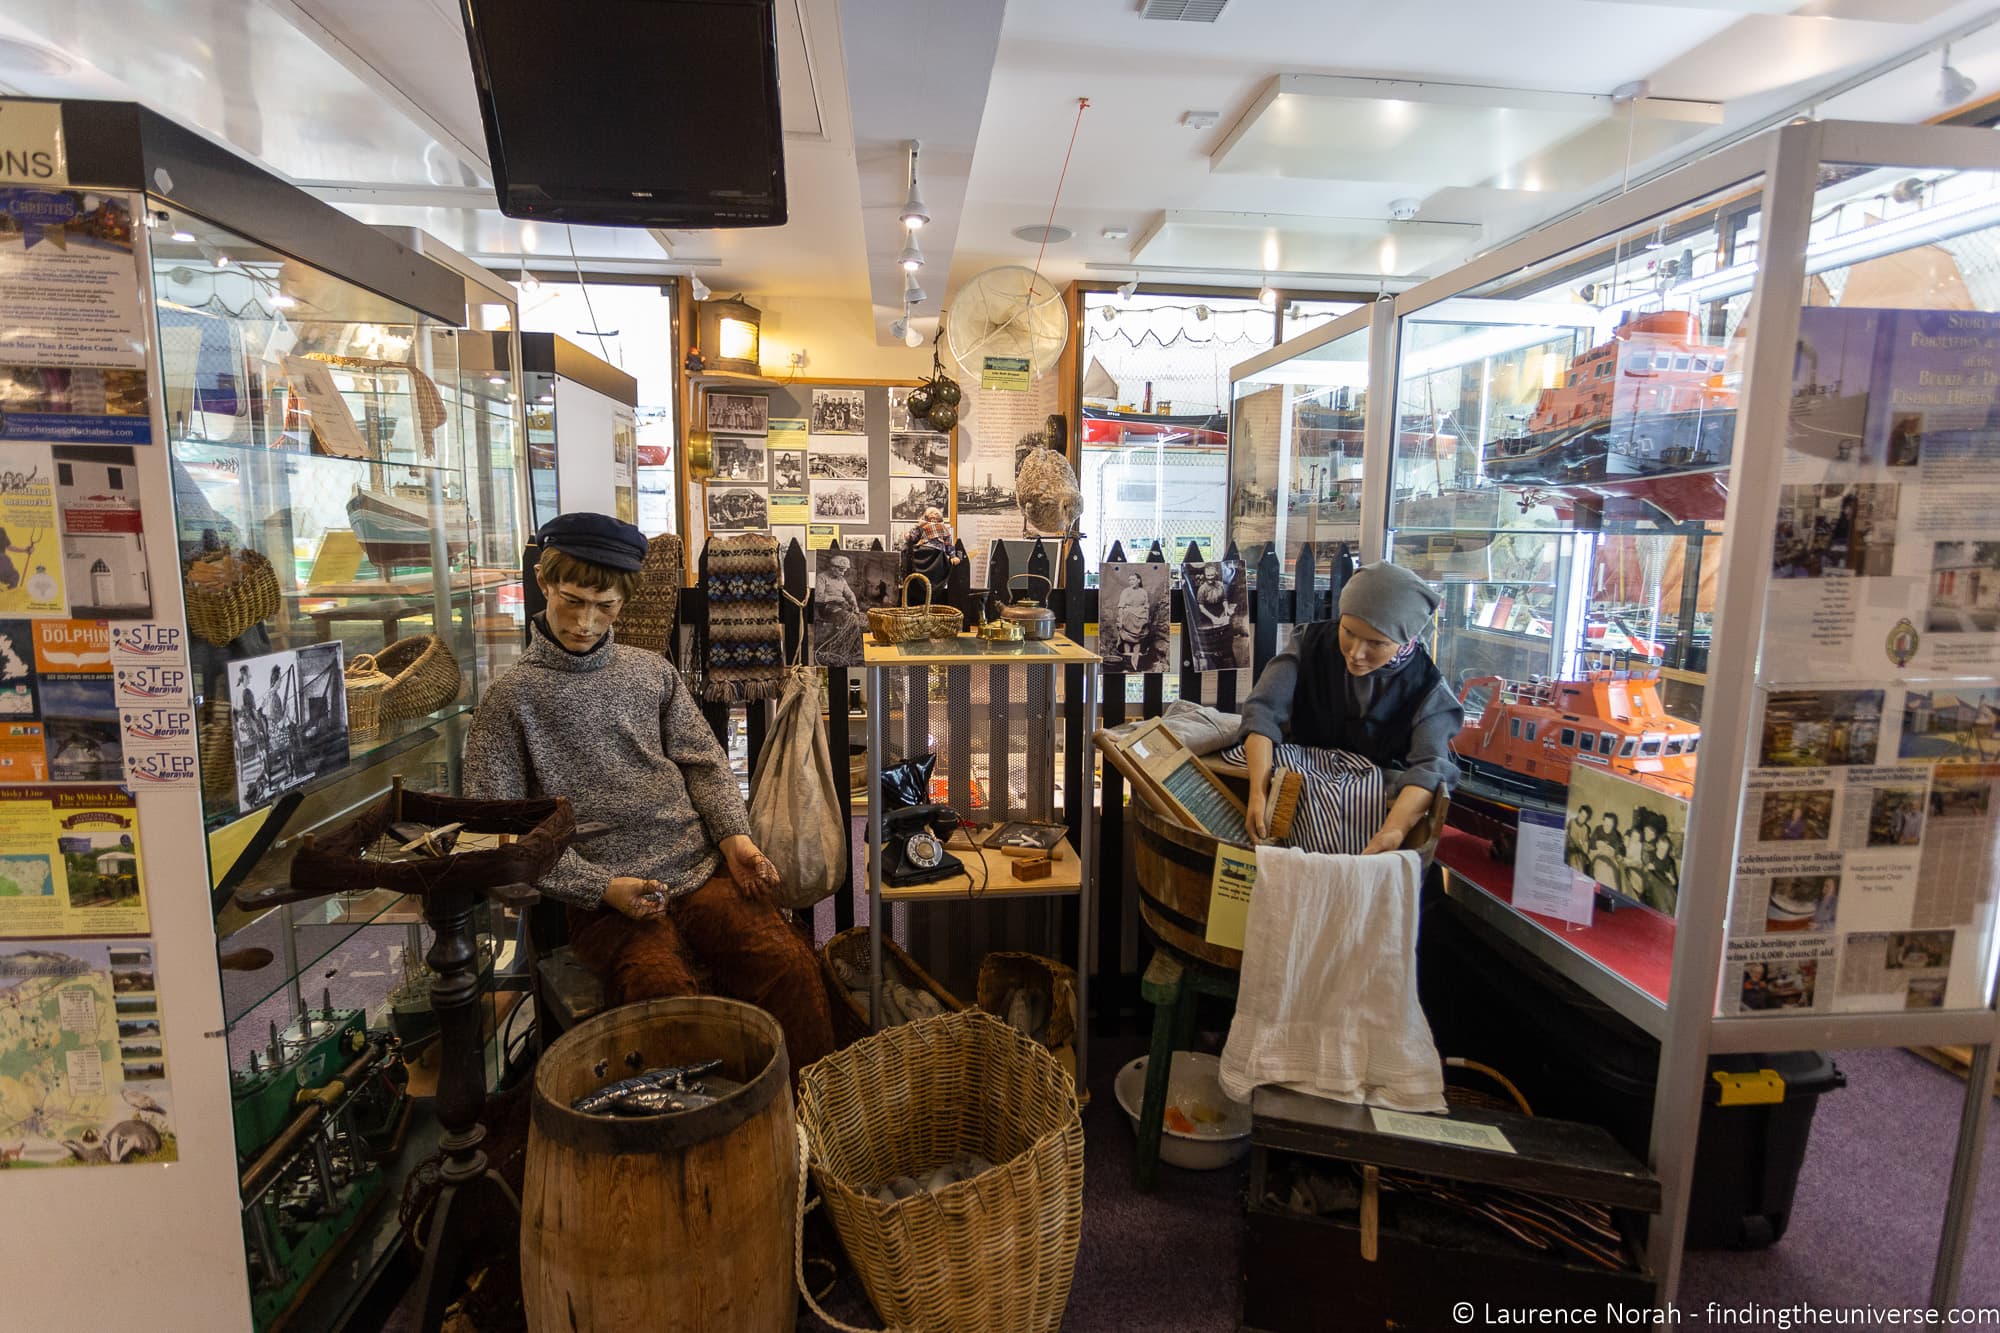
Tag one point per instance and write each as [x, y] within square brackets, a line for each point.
[583, 434]
[1737, 426]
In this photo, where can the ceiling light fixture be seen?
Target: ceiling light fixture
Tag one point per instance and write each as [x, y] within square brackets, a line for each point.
[283, 302]
[1954, 89]
[910, 257]
[212, 255]
[913, 291]
[496, 379]
[698, 288]
[184, 237]
[914, 214]
[1267, 296]
[529, 282]
[1404, 210]
[1126, 289]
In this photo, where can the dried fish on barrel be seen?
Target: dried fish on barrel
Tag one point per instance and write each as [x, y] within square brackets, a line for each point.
[672, 1078]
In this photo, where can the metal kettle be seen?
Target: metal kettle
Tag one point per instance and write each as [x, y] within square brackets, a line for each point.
[1037, 620]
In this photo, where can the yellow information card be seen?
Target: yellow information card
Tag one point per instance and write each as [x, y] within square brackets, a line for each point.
[788, 511]
[1004, 372]
[822, 536]
[1229, 895]
[338, 561]
[785, 433]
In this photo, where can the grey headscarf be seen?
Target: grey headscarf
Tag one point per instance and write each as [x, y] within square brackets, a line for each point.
[1395, 601]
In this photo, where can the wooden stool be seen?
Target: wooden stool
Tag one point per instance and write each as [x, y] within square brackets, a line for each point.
[568, 993]
[1171, 985]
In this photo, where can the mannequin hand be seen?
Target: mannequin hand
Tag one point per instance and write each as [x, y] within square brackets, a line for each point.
[640, 899]
[1388, 838]
[754, 874]
[1259, 818]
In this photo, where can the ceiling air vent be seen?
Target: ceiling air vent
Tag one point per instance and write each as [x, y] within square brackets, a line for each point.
[1183, 11]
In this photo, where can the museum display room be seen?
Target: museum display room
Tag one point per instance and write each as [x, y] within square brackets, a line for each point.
[999, 702]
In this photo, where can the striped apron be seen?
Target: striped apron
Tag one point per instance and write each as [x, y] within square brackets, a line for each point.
[1342, 799]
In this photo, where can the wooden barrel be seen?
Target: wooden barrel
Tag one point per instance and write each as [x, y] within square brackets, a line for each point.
[1175, 865]
[678, 1222]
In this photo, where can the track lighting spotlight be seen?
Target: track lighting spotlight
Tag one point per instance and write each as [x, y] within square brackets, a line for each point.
[914, 214]
[699, 288]
[913, 291]
[1267, 296]
[910, 257]
[1954, 89]
[1125, 290]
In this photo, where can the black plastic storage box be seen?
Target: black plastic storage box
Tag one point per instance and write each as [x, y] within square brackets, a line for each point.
[1575, 1058]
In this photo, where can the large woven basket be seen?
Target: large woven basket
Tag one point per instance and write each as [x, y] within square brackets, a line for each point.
[423, 677]
[365, 682]
[908, 624]
[223, 610]
[648, 621]
[850, 1017]
[996, 1252]
[216, 744]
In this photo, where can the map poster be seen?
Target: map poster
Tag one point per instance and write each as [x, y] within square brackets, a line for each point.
[70, 861]
[83, 1070]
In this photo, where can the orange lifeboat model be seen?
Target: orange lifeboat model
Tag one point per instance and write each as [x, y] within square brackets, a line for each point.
[1529, 735]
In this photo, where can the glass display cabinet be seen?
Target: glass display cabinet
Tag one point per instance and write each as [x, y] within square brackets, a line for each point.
[1739, 428]
[1297, 424]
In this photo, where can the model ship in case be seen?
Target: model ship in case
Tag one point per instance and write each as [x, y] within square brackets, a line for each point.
[1526, 736]
[1649, 415]
[393, 525]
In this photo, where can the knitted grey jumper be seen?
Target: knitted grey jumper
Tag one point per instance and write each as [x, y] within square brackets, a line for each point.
[616, 731]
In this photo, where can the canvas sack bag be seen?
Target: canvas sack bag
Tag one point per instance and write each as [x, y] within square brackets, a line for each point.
[794, 806]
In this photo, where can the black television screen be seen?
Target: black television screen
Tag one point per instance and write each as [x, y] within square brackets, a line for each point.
[638, 113]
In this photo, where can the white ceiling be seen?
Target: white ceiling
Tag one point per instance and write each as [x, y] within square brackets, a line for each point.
[369, 103]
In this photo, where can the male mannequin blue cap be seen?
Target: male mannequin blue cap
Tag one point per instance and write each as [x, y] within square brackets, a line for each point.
[598, 538]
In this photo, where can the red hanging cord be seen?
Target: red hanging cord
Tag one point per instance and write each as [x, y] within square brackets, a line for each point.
[1082, 103]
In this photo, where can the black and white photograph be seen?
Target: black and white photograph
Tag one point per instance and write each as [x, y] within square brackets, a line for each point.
[788, 471]
[80, 729]
[264, 715]
[103, 537]
[909, 499]
[1626, 836]
[742, 413]
[1957, 726]
[322, 707]
[737, 508]
[1896, 817]
[838, 458]
[1796, 815]
[982, 490]
[1821, 728]
[1918, 950]
[919, 454]
[741, 461]
[1218, 613]
[840, 501]
[1965, 588]
[839, 412]
[899, 410]
[19, 697]
[1134, 617]
[1836, 530]
[845, 585]
[1802, 903]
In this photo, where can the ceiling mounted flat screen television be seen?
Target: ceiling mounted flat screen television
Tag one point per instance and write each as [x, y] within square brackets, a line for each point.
[631, 113]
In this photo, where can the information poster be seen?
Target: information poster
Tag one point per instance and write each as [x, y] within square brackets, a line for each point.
[70, 861]
[1229, 895]
[333, 428]
[997, 428]
[85, 1080]
[30, 551]
[79, 701]
[71, 291]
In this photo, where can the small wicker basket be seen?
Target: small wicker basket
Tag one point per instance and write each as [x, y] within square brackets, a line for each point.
[423, 677]
[216, 744]
[997, 1251]
[850, 1016]
[366, 683]
[228, 594]
[908, 624]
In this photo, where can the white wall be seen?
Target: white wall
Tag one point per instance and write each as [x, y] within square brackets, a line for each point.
[584, 475]
[838, 338]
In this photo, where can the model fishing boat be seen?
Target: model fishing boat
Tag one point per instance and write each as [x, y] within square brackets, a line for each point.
[393, 525]
[1650, 402]
[1527, 735]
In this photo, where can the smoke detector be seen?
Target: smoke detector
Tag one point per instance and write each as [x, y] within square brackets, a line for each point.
[1200, 120]
[1404, 210]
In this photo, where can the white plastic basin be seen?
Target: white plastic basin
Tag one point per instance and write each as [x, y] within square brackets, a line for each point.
[1194, 1080]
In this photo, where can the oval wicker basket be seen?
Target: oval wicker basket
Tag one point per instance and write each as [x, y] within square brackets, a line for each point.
[907, 624]
[850, 946]
[365, 682]
[423, 677]
[223, 610]
[994, 1252]
[216, 745]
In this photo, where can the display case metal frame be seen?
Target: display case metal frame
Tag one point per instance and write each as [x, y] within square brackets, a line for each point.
[1784, 167]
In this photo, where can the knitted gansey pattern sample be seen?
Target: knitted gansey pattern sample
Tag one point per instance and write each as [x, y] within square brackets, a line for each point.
[746, 638]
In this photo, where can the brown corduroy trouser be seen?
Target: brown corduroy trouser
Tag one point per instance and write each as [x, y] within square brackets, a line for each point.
[748, 949]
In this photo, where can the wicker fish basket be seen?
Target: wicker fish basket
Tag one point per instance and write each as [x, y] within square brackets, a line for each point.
[648, 621]
[850, 1016]
[227, 593]
[996, 1251]
[1002, 973]
[365, 682]
[215, 740]
[908, 624]
[423, 677]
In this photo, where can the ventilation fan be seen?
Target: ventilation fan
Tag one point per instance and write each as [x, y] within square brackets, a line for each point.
[1008, 311]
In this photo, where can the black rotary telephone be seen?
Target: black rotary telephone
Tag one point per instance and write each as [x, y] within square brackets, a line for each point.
[913, 842]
